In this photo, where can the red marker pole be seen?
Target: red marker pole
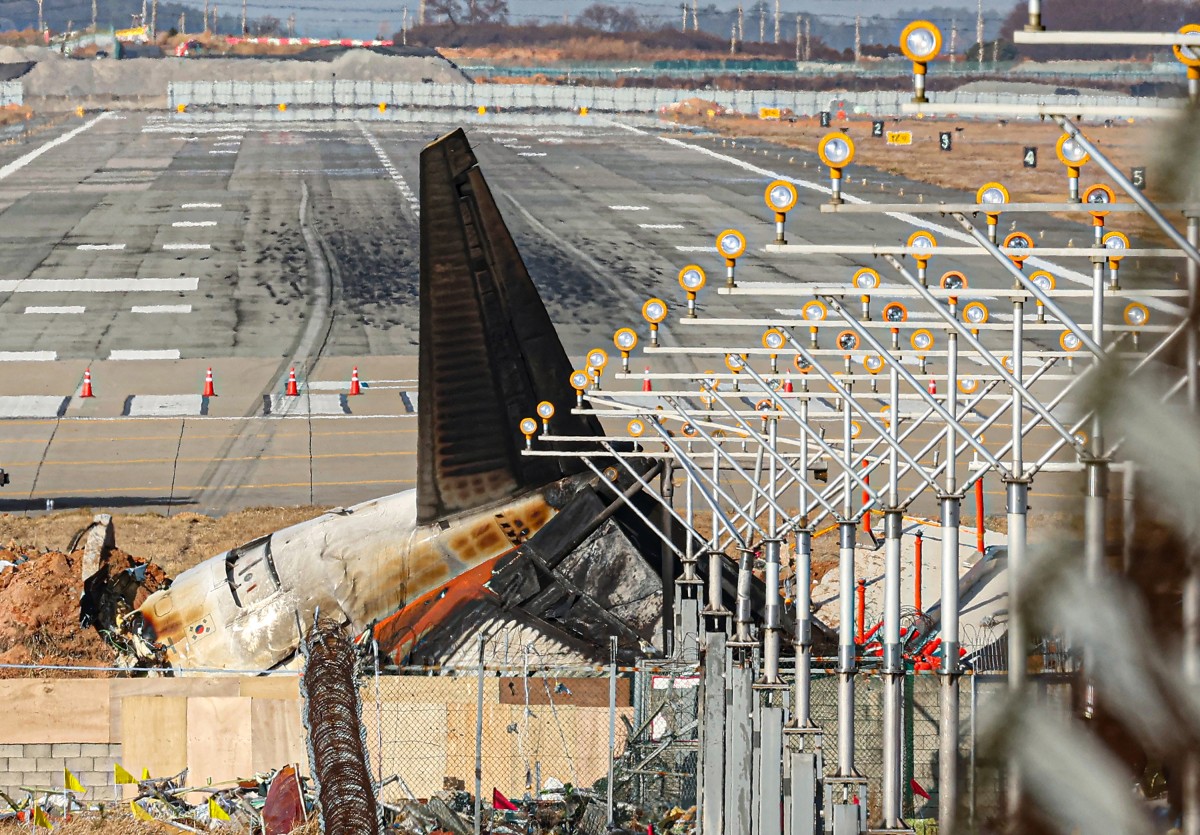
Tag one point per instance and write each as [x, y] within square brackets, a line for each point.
[862, 611]
[917, 578]
[866, 497]
[979, 514]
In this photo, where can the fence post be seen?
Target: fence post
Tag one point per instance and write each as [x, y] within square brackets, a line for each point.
[479, 741]
[378, 714]
[612, 726]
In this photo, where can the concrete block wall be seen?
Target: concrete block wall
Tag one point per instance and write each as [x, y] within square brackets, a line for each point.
[41, 764]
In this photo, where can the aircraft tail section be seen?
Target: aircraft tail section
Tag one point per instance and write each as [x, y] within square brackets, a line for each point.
[489, 352]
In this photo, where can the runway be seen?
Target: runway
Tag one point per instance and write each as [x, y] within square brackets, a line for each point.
[149, 249]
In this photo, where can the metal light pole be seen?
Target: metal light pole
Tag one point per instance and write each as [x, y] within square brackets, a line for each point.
[893, 662]
[950, 502]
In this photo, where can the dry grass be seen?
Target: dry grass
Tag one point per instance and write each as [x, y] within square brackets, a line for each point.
[175, 543]
[124, 824]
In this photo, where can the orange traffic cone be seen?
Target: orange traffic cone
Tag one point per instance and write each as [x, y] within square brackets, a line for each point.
[86, 391]
[932, 386]
[209, 391]
[646, 386]
[787, 382]
[355, 386]
[293, 390]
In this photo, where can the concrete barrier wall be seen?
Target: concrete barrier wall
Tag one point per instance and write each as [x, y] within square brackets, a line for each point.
[11, 93]
[223, 728]
[208, 94]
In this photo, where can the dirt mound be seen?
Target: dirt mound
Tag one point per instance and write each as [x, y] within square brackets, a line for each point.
[694, 106]
[42, 595]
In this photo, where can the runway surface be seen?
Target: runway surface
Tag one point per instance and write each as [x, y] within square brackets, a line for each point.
[149, 249]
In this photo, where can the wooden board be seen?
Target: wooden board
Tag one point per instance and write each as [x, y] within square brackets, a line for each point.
[277, 735]
[218, 733]
[270, 687]
[153, 736]
[55, 710]
[121, 688]
[579, 692]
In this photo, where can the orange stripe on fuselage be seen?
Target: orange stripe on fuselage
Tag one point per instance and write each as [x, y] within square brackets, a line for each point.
[405, 627]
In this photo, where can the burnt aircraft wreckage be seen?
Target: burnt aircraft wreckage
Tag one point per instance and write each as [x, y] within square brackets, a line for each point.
[489, 539]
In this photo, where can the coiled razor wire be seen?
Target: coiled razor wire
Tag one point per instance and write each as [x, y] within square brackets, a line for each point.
[337, 748]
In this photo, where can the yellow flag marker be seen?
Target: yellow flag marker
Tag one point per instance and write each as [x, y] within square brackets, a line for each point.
[139, 812]
[121, 776]
[40, 819]
[215, 811]
[145, 774]
[71, 783]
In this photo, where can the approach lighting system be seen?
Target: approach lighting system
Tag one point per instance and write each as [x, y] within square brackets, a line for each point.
[773, 340]
[866, 279]
[1021, 246]
[1189, 56]
[991, 197]
[923, 244]
[1098, 198]
[968, 385]
[1069, 341]
[1074, 156]
[814, 312]
[953, 280]
[922, 340]
[636, 427]
[654, 311]
[836, 151]
[731, 244]
[781, 198]
[545, 411]
[847, 341]
[873, 363]
[625, 341]
[596, 361]
[692, 279]
[1136, 314]
[894, 313]
[1117, 245]
[920, 42]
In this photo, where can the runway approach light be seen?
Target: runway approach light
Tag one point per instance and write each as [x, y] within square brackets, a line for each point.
[922, 342]
[873, 363]
[625, 340]
[654, 311]
[731, 244]
[580, 381]
[814, 311]
[992, 196]
[1136, 314]
[1069, 341]
[920, 41]
[692, 279]
[968, 385]
[597, 359]
[954, 280]
[545, 411]
[528, 427]
[866, 279]
[735, 363]
[1098, 197]
[636, 427]
[1022, 246]
[924, 243]
[773, 340]
[1117, 244]
[847, 341]
[855, 429]
[837, 151]
[1044, 282]
[1189, 56]
[781, 198]
[975, 314]
[1074, 156]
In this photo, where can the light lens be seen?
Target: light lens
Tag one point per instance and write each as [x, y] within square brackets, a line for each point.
[873, 363]
[545, 410]
[814, 311]
[654, 311]
[636, 427]
[735, 362]
[837, 150]
[1043, 281]
[847, 340]
[625, 339]
[731, 243]
[1073, 151]
[802, 364]
[528, 426]
[975, 313]
[1008, 364]
[781, 196]
[920, 41]
[1097, 195]
[922, 340]
[596, 358]
[691, 278]
[579, 380]
[1136, 315]
[967, 385]
[866, 279]
[921, 240]
[773, 340]
[895, 312]
[953, 281]
[993, 195]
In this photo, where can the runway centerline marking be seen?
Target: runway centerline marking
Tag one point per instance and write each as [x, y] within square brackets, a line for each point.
[21, 162]
[101, 247]
[200, 206]
[125, 354]
[28, 356]
[193, 224]
[630, 208]
[179, 247]
[66, 310]
[696, 248]
[660, 225]
[157, 308]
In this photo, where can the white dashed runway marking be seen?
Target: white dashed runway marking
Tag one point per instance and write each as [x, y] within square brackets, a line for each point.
[531, 154]
[393, 172]
[630, 208]
[660, 225]
[33, 406]
[200, 206]
[161, 308]
[66, 310]
[28, 356]
[219, 153]
[101, 247]
[696, 248]
[143, 355]
[185, 247]
[305, 404]
[98, 285]
[193, 224]
[165, 405]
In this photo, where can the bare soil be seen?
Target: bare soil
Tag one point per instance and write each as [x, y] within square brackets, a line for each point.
[175, 543]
